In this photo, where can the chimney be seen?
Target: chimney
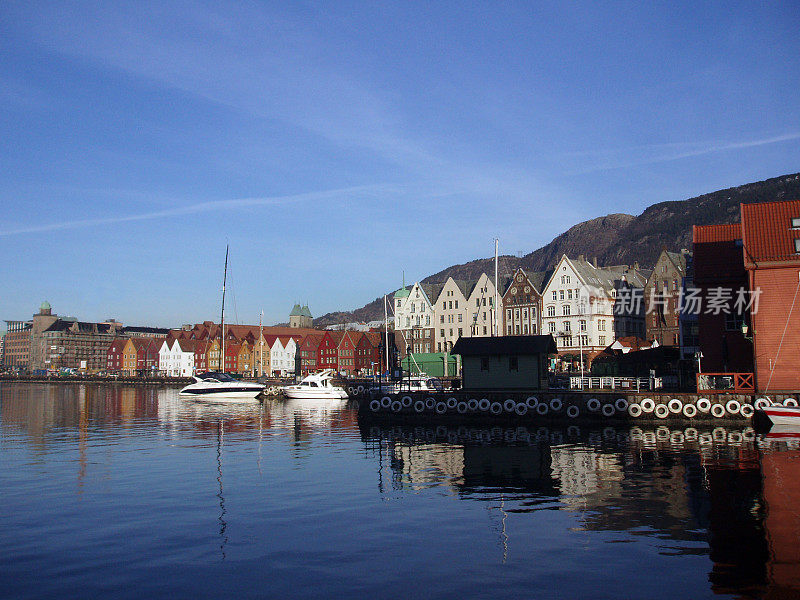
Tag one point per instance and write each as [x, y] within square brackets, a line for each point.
[636, 266]
[581, 258]
[595, 262]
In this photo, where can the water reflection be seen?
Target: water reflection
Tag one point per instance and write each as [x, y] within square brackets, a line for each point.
[724, 501]
[722, 492]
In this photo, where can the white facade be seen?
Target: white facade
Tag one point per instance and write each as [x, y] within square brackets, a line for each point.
[415, 318]
[282, 357]
[176, 361]
[452, 315]
[480, 306]
[578, 304]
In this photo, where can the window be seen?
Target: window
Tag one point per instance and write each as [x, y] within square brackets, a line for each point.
[565, 310]
[566, 326]
[797, 245]
[517, 329]
[513, 363]
[460, 318]
[583, 325]
[551, 311]
[441, 331]
[484, 330]
[555, 295]
[525, 329]
[460, 332]
[569, 294]
[441, 319]
[508, 313]
[796, 223]
[509, 330]
[551, 327]
[456, 304]
[602, 340]
[477, 301]
[734, 321]
[484, 363]
[451, 304]
[568, 340]
[561, 294]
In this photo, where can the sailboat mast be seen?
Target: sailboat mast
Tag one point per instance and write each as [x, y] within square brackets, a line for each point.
[496, 325]
[261, 336]
[222, 317]
[386, 329]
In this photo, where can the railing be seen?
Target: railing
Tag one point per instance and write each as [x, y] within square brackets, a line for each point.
[725, 383]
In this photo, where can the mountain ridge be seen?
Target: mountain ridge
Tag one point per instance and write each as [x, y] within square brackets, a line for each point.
[616, 238]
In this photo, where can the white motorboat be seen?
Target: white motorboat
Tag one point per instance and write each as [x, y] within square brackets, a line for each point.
[220, 387]
[316, 386]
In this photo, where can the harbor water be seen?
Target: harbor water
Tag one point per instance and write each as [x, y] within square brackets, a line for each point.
[121, 491]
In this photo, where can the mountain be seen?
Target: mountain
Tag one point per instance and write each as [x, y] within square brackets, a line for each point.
[614, 239]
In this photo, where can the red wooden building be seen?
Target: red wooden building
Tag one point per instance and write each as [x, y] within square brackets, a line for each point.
[329, 350]
[771, 240]
[308, 351]
[114, 355]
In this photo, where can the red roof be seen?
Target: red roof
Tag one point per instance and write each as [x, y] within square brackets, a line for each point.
[768, 232]
[704, 234]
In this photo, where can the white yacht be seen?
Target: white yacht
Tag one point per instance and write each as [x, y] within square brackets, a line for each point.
[221, 387]
[316, 386]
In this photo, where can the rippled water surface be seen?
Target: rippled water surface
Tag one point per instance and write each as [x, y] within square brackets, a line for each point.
[132, 492]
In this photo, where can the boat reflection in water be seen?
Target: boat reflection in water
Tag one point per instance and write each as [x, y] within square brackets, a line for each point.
[96, 474]
[725, 493]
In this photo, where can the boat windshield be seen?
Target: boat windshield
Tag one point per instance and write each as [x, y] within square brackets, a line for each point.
[216, 375]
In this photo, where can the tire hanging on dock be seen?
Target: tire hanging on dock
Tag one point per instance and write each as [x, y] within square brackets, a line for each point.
[608, 410]
[661, 411]
[718, 411]
[509, 405]
[521, 409]
[733, 407]
[406, 400]
[375, 405]
[386, 401]
[675, 406]
[704, 405]
[573, 411]
[648, 405]
[689, 411]
[621, 404]
[593, 404]
[746, 410]
[634, 410]
[419, 406]
[496, 408]
[532, 401]
[556, 404]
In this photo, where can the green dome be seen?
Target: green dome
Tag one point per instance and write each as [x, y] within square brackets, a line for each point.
[45, 305]
[402, 293]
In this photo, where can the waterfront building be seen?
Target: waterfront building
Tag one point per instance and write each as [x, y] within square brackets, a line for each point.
[262, 362]
[17, 344]
[481, 307]
[415, 317]
[309, 353]
[300, 317]
[719, 264]
[452, 313]
[231, 358]
[522, 301]
[578, 306]
[662, 293]
[346, 362]
[140, 355]
[244, 359]
[176, 358]
[368, 355]
[282, 355]
[114, 355]
[505, 363]
[328, 353]
[771, 253]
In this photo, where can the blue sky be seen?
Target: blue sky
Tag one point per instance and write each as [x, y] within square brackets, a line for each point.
[335, 144]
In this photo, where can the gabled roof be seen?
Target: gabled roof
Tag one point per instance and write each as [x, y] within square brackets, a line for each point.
[297, 311]
[432, 291]
[767, 232]
[505, 345]
[187, 345]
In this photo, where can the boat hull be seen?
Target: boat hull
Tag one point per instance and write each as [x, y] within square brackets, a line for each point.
[315, 394]
[783, 415]
[222, 392]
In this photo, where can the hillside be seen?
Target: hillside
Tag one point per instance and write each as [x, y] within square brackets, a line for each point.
[615, 238]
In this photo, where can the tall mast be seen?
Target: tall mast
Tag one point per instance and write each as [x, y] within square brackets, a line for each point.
[222, 317]
[496, 327]
[261, 336]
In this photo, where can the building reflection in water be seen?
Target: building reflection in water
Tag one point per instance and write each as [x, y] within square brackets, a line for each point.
[723, 493]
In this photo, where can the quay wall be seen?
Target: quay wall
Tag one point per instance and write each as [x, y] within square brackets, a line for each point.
[563, 405]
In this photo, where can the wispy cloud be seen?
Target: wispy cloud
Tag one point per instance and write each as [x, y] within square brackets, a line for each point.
[204, 207]
[657, 153]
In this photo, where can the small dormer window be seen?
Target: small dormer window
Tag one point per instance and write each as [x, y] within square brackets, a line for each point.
[797, 245]
[796, 223]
